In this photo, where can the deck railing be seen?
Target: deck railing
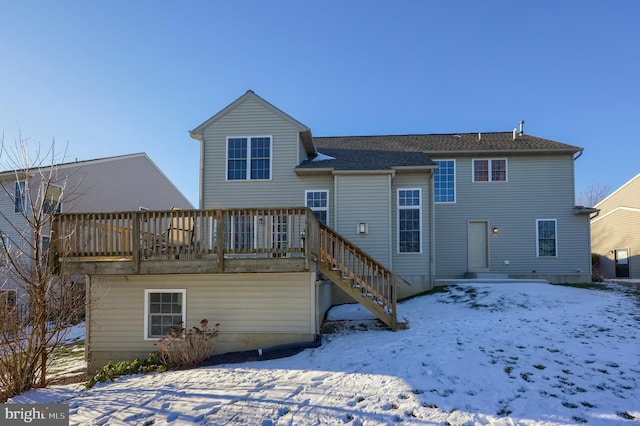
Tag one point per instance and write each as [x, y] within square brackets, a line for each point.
[218, 234]
[197, 233]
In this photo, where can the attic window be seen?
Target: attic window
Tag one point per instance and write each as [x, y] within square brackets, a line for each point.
[249, 158]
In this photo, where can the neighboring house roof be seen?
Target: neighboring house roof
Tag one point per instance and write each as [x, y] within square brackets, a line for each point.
[356, 159]
[8, 175]
[12, 173]
[628, 183]
[454, 144]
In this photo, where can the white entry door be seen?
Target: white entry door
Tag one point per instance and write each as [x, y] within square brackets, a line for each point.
[478, 246]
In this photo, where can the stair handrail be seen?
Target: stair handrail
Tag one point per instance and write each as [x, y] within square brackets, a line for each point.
[329, 247]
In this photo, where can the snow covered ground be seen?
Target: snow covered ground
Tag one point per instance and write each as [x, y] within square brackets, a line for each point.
[502, 354]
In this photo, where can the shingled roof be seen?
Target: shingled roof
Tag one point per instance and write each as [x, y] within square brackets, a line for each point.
[457, 144]
[365, 159]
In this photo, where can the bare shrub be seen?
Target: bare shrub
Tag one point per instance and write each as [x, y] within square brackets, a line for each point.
[38, 306]
[188, 347]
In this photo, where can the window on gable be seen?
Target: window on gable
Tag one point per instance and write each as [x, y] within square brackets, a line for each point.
[164, 309]
[249, 158]
[444, 181]
[52, 202]
[20, 197]
[490, 170]
[318, 202]
[409, 220]
[547, 238]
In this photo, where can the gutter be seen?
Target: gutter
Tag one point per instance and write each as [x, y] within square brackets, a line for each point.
[579, 154]
[198, 137]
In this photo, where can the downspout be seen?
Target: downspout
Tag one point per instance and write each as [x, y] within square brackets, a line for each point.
[579, 154]
[198, 137]
[335, 203]
[432, 231]
[390, 245]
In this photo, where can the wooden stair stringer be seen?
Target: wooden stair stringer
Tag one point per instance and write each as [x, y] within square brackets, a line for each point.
[366, 300]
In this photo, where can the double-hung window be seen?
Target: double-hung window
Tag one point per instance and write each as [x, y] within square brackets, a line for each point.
[52, 200]
[318, 202]
[164, 309]
[547, 238]
[20, 196]
[409, 220]
[444, 181]
[490, 170]
[249, 158]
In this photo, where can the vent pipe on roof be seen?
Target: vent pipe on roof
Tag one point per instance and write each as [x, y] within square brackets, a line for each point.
[521, 127]
[514, 134]
[479, 136]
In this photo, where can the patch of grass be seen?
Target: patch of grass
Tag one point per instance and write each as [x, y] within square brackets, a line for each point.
[539, 366]
[429, 405]
[508, 369]
[504, 411]
[587, 404]
[112, 371]
[526, 376]
[569, 404]
[626, 415]
[579, 419]
[588, 286]
[435, 290]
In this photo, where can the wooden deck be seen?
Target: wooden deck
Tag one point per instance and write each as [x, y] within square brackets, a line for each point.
[220, 241]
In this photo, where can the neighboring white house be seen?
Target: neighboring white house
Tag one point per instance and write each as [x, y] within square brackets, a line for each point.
[616, 232]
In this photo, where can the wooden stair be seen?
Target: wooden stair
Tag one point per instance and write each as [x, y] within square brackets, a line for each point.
[360, 276]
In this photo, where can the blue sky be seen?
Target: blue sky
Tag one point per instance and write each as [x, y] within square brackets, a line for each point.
[118, 77]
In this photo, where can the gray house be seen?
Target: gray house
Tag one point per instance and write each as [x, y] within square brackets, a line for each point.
[290, 223]
[616, 232]
[428, 207]
[120, 183]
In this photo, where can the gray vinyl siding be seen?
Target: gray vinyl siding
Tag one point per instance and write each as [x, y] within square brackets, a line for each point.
[538, 187]
[318, 183]
[251, 118]
[241, 303]
[365, 198]
[413, 267]
[10, 225]
[122, 184]
[616, 230]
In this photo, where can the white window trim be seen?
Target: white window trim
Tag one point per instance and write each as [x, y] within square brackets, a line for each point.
[398, 208]
[455, 183]
[147, 291]
[318, 209]
[44, 195]
[23, 198]
[555, 221]
[248, 158]
[473, 170]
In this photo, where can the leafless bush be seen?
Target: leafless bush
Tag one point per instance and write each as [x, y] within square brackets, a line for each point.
[188, 347]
